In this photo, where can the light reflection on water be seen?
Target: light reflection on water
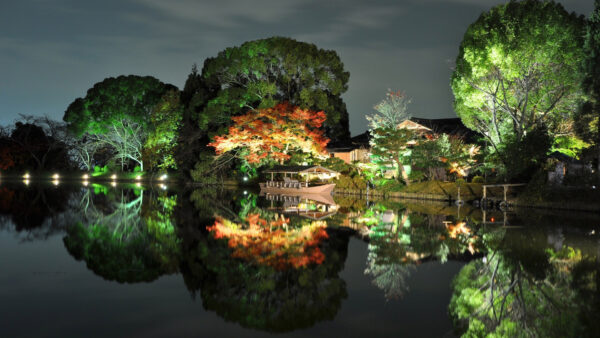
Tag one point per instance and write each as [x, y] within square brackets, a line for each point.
[280, 264]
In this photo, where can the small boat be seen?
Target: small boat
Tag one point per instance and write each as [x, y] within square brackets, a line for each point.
[293, 186]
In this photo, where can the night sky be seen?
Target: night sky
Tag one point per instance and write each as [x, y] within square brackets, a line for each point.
[52, 51]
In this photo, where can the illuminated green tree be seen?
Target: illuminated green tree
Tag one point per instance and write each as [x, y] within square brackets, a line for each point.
[117, 111]
[389, 149]
[517, 70]
[588, 117]
[165, 119]
[262, 73]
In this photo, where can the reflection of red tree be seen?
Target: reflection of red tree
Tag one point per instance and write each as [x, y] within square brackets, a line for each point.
[460, 231]
[272, 242]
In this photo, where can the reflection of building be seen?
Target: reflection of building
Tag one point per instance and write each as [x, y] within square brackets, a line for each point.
[312, 206]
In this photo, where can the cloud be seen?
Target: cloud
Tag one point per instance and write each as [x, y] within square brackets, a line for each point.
[225, 13]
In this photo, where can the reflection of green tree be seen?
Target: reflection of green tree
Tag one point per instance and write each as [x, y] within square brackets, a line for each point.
[261, 296]
[126, 238]
[497, 296]
[387, 260]
[399, 240]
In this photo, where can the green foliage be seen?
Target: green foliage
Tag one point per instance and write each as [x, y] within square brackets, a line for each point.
[569, 145]
[165, 119]
[124, 97]
[588, 115]
[262, 73]
[517, 70]
[390, 112]
[522, 159]
[477, 179]
[389, 149]
[498, 299]
[203, 173]
[116, 111]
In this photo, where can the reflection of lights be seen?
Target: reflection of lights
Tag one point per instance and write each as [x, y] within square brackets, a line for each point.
[26, 181]
[137, 178]
[163, 187]
[55, 182]
[114, 184]
[492, 219]
[56, 177]
[163, 177]
[85, 177]
[85, 183]
[138, 184]
[114, 177]
[245, 192]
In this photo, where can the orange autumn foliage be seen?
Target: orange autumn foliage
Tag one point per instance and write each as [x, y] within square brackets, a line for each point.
[273, 133]
[272, 243]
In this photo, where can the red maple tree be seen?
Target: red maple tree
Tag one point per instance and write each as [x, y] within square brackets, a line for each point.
[272, 133]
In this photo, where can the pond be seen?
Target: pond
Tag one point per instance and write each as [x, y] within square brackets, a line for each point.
[155, 261]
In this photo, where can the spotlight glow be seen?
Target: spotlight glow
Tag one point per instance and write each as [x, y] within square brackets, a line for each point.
[85, 183]
[137, 178]
[56, 182]
[85, 176]
[138, 184]
[56, 177]
[114, 177]
[114, 184]
[163, 177]
[26, 181]
[26, 176]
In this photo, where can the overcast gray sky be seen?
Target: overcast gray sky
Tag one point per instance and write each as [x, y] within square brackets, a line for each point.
[52, 51]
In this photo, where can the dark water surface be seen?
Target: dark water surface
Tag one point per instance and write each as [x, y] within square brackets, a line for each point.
[152, 261]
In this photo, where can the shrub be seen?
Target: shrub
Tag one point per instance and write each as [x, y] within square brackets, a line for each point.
[477, 179]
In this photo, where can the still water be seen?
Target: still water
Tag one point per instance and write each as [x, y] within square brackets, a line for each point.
[152, 261]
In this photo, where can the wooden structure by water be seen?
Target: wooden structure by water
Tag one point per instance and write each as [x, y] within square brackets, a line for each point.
[492, 202]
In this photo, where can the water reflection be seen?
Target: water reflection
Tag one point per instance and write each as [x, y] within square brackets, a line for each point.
[274, 263]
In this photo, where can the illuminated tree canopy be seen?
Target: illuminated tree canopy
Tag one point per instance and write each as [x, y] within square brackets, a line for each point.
[117, 112]
[588, 116]
[271, 134]
[517, 70]
[261, 73]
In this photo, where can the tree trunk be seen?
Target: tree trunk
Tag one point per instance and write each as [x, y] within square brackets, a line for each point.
[401, 172]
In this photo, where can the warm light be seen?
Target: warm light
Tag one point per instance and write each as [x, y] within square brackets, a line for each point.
[114, 177]
[245, 192]
[137, 178]
[26, 181]
[138, 184]
[245, 178]
[163, 187]
[85, 176]
[85, 183]
[55, 177]
[26, 176]
[55, 182]
[114, 184]
[492, 219]
[163, 177]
